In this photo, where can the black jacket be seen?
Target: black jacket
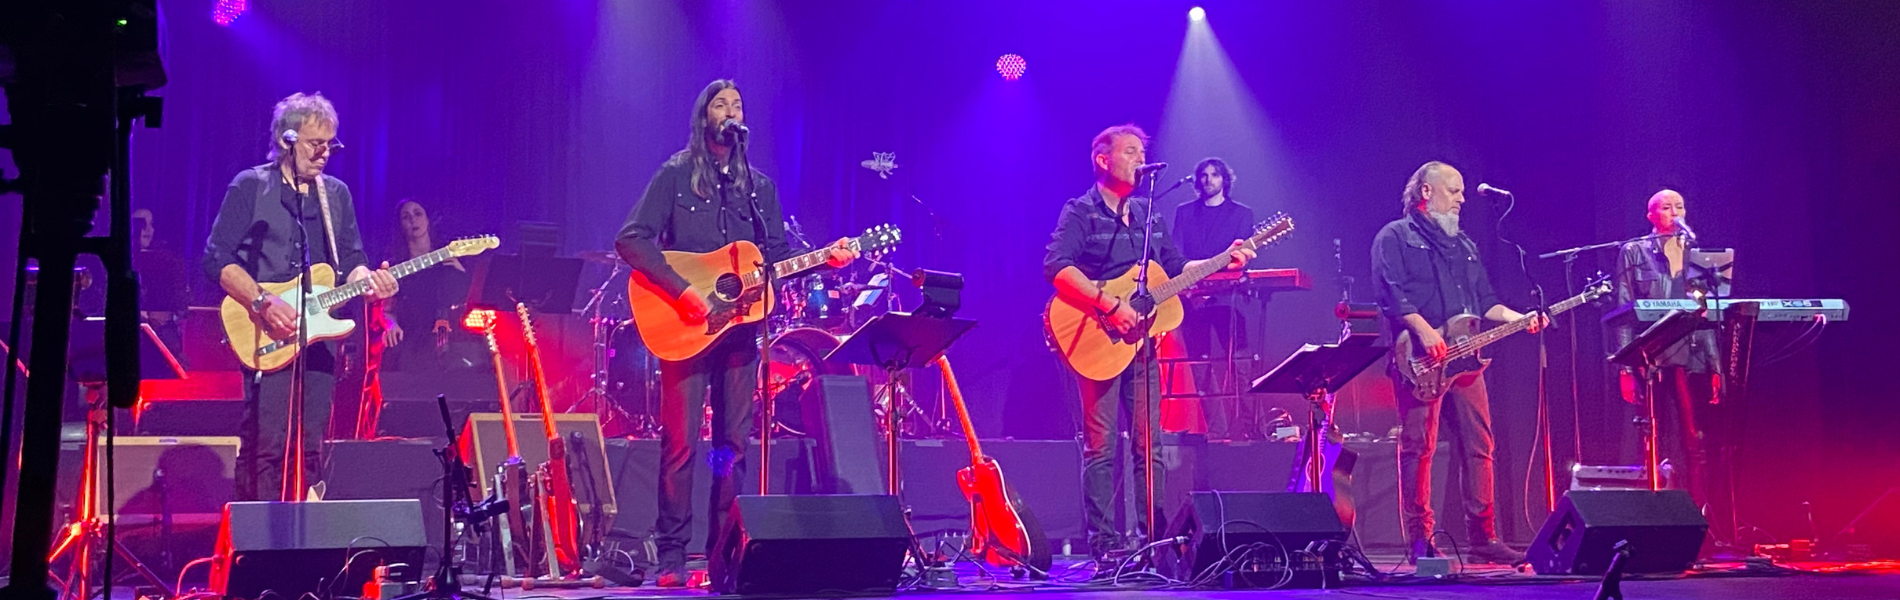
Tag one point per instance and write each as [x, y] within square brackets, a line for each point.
[1417, 268]
[671, 216]
[256, 228]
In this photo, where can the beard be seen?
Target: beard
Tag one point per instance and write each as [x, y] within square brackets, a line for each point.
[1447, 221]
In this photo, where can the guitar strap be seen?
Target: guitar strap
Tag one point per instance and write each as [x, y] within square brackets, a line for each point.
[329, 222]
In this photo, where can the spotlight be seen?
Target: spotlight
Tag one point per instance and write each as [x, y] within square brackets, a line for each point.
[1197, 14]
[478, 320]
[1011, 67]
[224, 12]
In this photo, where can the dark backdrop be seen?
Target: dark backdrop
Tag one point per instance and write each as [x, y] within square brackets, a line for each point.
[1777, 120]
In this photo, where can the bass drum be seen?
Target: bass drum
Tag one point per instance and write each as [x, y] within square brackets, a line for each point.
[797, 359]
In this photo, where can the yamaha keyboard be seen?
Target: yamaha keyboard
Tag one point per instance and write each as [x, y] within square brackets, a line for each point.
[1263, 280]
[1648, 311]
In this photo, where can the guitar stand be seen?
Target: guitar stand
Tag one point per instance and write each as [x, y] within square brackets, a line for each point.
[1317, 371]
[896, 342]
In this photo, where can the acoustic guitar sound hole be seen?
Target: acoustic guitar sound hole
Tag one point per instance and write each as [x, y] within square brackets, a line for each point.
[728, 286]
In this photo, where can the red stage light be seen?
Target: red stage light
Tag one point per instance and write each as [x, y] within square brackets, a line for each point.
[224, 12]
[478, 320]
[1011, 67]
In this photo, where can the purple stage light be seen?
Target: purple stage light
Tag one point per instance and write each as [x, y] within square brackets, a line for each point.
[224, 12]
[1012, 67]
[1196, 14]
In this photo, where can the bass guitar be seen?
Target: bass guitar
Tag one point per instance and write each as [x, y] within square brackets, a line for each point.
[1086, 342]
[261, 352]
[732, 279]
[1002, 530]
[1430, 378]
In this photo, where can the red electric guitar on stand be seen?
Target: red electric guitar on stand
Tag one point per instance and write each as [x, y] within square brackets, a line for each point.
[1002, 530]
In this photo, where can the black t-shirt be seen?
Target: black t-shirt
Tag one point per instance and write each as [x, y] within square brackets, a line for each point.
[1203, 231]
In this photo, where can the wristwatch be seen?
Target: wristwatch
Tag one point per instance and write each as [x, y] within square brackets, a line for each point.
[258, 304]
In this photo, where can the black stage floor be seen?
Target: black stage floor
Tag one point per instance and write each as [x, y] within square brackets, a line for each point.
[1807, 581]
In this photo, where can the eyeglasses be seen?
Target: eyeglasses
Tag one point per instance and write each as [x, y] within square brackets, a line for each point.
[319, 146]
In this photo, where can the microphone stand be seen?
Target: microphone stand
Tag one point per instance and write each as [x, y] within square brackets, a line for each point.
[291, 488]
[1543, 360]
[769, 281]
[1143, 302]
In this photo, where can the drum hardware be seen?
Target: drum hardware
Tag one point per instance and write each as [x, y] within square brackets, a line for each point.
[599, 399]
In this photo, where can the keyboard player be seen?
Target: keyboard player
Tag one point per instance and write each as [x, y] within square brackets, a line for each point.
[1213, 324]
[1688, 392]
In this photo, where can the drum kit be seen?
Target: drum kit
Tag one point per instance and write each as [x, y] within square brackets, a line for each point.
[812, 316]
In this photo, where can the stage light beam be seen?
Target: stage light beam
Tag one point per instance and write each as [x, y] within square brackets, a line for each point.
[1011, 67]
[1197, 14]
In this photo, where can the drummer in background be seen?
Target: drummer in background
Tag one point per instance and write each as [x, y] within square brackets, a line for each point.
[700, 200]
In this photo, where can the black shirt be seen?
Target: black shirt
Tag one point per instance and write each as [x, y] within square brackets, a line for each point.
[1204, 231]
[1091, 238]
[1418, 268]
[256, 228]
[671, 216]
[1643, 273]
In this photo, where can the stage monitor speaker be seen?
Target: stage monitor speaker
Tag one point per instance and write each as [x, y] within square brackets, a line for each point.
[327, 548]
[487, 456]
[839, 418]
[1267, 534]
[188, 479]
[813, 545]
[1664, 529]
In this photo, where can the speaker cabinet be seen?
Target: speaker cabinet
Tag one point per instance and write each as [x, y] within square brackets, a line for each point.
[188, 479]
[1664, 529]
[485, 446]
[838, 417]
[329, 548]
[1267, 534]
[812, 545]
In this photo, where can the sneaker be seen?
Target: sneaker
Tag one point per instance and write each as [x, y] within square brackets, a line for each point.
[671, 572]
[1495, 552]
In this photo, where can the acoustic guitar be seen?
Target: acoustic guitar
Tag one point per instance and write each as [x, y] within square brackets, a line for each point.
[732, 279]
[1082, 336]
[261, 352]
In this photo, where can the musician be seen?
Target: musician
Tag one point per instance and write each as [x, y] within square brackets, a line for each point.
[273, 215]
[430, 305]
[1098, 237]
[1204, 227]
[703, 198]
[163, 298]
[1426, 270]
[1687, 391]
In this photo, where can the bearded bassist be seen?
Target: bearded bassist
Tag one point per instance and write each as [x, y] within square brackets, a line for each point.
[1426, 271]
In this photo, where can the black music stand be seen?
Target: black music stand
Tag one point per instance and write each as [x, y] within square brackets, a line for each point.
[896, 341]
[544, 283]
[1316, 371]
[1640, 353]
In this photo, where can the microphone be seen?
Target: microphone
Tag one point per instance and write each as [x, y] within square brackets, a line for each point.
[1149, 168]
[1486, 189]
[732, 129]
[290, 137]
[1682, 227]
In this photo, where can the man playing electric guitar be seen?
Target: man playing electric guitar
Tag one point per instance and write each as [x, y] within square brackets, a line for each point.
[1099, 236]
[703, 198]
[1426, 271]
[257, 237]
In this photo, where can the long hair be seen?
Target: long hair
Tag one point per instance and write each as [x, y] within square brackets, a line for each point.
[1226, 177]
[1414, 188]
[698, 153]
[399, 240]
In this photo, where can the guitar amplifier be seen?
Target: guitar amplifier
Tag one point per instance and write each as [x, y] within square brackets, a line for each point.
[485, 446]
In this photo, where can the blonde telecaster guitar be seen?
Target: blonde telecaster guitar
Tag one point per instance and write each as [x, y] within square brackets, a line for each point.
[258, 351]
